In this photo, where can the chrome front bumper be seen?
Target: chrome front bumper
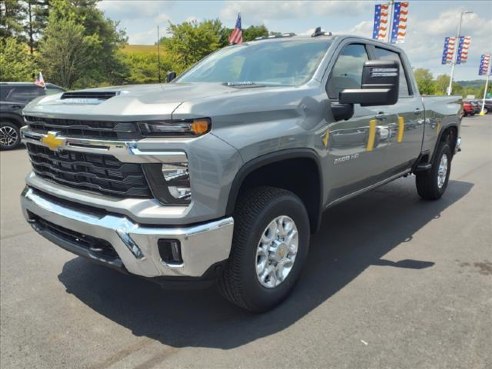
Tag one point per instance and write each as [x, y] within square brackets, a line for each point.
[202, 245]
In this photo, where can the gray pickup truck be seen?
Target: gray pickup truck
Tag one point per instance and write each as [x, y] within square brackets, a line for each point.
[223, 174]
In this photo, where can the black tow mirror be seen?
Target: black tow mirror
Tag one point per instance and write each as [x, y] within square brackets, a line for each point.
[380, 83]
[170, 76]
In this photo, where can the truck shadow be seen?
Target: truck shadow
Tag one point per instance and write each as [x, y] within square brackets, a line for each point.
[353, 236]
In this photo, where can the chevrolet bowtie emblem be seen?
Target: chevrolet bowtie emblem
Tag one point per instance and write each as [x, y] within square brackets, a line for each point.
[52, 141]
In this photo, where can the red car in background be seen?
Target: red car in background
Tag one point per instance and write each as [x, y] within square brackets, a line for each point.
[468, 108]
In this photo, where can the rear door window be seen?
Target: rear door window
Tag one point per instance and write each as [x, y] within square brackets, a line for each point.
[385, 54]
[24, 93]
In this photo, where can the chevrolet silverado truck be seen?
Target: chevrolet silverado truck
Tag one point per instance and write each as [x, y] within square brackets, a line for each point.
[223, 173]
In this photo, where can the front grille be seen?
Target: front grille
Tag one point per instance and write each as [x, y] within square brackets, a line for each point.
[94, 172]
[84, 128]
[96, 246]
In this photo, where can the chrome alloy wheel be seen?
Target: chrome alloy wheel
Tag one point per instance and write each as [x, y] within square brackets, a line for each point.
[276, 252]
[442, 171]
[8, 136]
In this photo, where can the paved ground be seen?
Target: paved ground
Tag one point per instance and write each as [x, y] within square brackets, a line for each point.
[392, 282]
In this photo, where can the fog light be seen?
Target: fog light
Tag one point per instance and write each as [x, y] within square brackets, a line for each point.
[177, 178]
[170, 251]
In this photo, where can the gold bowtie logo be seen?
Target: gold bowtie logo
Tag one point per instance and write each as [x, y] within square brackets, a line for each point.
[52, 141]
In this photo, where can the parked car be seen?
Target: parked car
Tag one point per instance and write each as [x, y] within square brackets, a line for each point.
[223, 174]
[477, 106]
[13, 97]
[487, 105]
[468, 109]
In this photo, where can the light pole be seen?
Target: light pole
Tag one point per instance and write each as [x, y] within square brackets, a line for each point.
[453, 61]
[488, 72]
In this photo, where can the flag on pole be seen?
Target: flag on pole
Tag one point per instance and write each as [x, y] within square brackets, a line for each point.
[447, 54]
[463, 46]
[484, 65]
[40, 80]
[236, 36]
[399, 27]
[381, 16]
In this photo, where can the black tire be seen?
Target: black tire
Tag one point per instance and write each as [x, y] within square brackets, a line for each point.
[9, 136]
[427, 182]
[255, 210]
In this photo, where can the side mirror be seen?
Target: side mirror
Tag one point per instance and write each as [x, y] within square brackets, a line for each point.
[380, 83]
[170, 76]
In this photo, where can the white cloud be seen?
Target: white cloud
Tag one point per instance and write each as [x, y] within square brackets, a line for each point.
[263, 11]
[132, 10]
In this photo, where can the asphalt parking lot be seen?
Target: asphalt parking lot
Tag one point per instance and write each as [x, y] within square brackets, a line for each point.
[391, 282]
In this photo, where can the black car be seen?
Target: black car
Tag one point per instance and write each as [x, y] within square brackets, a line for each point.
[13, 97]
[487, 107]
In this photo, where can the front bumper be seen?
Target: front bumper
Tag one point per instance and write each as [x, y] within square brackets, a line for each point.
[202, 245]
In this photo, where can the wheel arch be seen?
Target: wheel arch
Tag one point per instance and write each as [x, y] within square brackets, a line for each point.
[270, 170]
[12, 118]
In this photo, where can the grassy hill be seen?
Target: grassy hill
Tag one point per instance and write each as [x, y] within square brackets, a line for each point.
[142, 49]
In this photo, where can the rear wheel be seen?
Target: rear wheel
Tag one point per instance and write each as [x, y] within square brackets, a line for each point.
[432, 184]
[270, 244]
[9, 136]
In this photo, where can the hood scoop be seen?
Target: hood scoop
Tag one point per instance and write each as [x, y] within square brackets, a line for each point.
[88, 97]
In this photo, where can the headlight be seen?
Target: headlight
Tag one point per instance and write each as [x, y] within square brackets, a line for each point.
[192, 128]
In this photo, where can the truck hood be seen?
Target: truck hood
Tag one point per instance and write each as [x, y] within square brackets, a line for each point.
[127, 103]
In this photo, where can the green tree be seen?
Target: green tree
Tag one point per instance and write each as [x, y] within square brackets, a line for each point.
[65, 52]
[191, 41]
[424, 81]
[15, 62]
[36, 20]
[252, 32]
[82, 43]
[441, 84]
[11, 18]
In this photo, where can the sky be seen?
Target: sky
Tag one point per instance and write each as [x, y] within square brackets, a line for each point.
[428, 23]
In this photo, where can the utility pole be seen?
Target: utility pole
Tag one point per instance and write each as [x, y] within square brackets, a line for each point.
[456, 45]
[158, 56]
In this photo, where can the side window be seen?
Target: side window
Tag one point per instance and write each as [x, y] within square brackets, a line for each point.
[5, 91]
[24, 93]
[385, 54]
[347, 71]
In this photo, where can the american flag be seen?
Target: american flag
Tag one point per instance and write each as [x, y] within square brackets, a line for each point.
[447, 54]
[40, 80]
[484, 65]
[399, 27]
[380, 29]
[236, 36]
[463, 47]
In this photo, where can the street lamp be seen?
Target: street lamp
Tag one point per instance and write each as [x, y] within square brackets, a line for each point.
[453, 61]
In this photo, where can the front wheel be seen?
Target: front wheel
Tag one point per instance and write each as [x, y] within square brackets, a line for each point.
[432, 184]
[270, 244]
[9, 136]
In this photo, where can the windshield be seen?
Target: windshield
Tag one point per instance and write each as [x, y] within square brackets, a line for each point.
[283, 63]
